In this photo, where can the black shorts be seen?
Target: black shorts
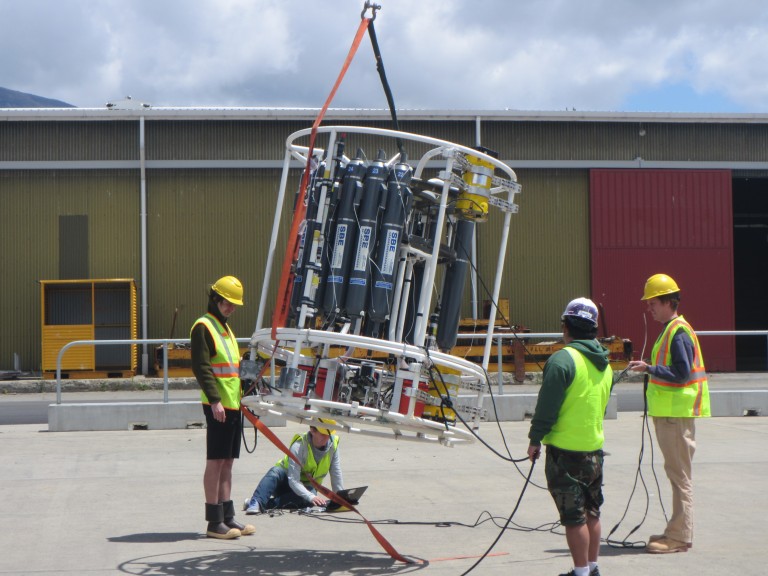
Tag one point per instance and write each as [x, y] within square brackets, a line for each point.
[222, 439]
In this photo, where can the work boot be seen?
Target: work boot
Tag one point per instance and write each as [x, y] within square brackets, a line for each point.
[666, 546]
[657, 537]
[229, 519]
[214, 515]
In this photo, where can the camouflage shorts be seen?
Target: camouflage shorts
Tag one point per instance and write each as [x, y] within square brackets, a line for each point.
[575, 481]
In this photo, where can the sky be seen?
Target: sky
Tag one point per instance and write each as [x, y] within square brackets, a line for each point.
[704, 56]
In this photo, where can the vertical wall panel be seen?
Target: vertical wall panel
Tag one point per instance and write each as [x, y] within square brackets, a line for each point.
[547, 260]
[677, 222]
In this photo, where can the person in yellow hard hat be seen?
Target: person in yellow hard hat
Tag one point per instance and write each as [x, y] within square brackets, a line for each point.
[215, 363]
[677, 394]
[286, 485]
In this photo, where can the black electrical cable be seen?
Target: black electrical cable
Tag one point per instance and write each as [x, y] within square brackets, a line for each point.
[504, 319]
[449, 402]
[509, 520]
[644, 427]
[255, 435]
[387, 89]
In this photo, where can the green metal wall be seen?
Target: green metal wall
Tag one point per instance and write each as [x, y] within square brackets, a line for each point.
[548, 248]
[68, 141]
[626, 141]
[206, 222]
[32, 202]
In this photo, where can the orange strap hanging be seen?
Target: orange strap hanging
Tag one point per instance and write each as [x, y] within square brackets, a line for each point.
[325, 491]
[286, 277]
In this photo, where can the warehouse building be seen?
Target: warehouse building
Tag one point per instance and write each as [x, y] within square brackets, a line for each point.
[145, 207]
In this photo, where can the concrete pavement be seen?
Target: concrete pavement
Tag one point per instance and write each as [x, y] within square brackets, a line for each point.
[131, 502]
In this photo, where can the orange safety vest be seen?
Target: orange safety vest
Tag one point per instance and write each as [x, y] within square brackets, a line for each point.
[688, 399]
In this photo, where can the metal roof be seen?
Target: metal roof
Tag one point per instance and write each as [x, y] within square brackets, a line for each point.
[256, 113]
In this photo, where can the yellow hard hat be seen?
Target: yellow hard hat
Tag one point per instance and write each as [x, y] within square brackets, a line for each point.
[659, 285]
[326, 431]
[229, 288]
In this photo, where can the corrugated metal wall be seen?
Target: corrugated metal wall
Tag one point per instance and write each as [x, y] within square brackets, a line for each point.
[548, 261]
[626, 141]
[32, 202]
[677, 222]
[204, 224]
[66, 141]
[548, 251]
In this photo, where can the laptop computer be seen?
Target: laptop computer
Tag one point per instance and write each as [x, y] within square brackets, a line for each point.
[351, 495]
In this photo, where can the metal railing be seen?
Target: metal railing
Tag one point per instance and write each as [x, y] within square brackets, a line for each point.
[498, 337]
[164, 341]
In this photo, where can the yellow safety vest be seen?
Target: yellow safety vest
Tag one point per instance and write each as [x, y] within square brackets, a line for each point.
[579, 425]
[225, 362]
[669, 399]
[317, 470]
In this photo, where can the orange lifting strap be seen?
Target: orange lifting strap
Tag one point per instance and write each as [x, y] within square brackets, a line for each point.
[325, 491]
[280, 315]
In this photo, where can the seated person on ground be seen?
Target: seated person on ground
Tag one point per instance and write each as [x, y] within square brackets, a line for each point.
[286, 485]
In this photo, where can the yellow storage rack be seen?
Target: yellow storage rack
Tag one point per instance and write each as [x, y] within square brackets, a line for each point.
[89, 310]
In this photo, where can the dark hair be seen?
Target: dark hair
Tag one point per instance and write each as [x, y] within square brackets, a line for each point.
[580, 329]
[214, 296]
[213, 304]
[673, 299]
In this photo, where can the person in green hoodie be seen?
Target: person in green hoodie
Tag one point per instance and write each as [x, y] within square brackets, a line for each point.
[568, 419]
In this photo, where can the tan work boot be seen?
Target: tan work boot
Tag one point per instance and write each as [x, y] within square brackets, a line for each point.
[666, 545]
[657, 537]
[214, 515]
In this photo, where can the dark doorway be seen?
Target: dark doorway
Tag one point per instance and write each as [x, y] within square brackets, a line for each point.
[750, 268]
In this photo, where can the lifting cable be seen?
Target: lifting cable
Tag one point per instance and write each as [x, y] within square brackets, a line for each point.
[385, 83]
[286, 277]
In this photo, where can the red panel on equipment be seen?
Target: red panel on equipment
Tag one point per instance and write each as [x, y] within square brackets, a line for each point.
[676, 222]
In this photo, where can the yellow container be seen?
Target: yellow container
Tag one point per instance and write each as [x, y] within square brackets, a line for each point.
[89, 310]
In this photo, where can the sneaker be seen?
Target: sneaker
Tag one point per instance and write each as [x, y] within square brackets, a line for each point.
[247, 503]
[255, 509]
[666, 545]
[595, 571]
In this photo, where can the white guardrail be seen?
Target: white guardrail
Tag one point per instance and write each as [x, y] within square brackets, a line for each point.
[163, 341]
[498, 337]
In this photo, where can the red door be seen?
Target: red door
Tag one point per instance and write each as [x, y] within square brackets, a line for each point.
[676, 222]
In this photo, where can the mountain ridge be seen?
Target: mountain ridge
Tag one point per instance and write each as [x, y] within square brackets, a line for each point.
[15, 99]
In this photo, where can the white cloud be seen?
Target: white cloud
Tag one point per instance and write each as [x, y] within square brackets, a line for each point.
[549, 54]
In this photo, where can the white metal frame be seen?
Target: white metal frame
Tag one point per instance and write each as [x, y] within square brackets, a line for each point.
[289, 342]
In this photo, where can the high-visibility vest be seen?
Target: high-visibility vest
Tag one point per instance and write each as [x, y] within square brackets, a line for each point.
[225, 362]
[579, 425]
[689, 399]
[318, 470]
